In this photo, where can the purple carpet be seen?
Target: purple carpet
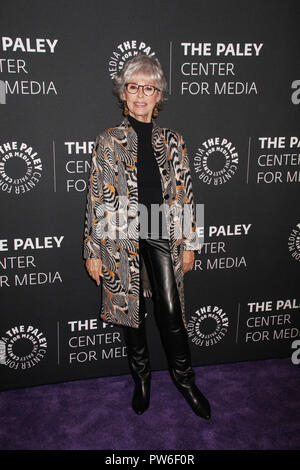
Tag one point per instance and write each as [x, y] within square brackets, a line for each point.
[255, 405]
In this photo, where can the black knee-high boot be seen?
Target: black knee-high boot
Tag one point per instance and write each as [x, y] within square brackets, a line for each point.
[175, 342]
[139, 364]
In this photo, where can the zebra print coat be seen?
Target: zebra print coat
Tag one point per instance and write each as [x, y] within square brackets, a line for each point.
[113, 180]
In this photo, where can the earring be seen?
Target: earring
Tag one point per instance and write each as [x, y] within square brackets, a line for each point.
[125, 108]
[155, 111]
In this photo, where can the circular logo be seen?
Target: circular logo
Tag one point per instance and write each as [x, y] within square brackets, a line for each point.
[216, 161]
[20, 167]
[124, 51]
[22, 347]
[294, 242]
[207, 326]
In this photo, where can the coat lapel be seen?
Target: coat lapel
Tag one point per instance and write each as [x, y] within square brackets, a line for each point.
[129, 141]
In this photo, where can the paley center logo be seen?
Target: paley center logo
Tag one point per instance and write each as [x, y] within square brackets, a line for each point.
[18, 70]
[20, 167]
[208, 325]
[124, 51]
[216, 161]
[294, 242]
[22, 347]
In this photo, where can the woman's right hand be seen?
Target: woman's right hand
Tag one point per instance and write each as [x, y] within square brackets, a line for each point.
[94, 268]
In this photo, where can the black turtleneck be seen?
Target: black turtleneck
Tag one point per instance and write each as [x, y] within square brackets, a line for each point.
[149, 184]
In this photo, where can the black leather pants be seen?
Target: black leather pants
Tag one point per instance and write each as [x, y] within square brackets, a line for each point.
[167, 311]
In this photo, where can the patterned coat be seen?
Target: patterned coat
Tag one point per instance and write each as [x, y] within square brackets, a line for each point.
[114, 174]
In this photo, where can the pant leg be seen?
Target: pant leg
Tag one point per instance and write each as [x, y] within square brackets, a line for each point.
[167, 307]
[136, 344]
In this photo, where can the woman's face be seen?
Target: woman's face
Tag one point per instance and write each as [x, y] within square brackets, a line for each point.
[141, 106]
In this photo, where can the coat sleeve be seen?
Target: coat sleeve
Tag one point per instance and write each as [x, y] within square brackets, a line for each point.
[191, 238]
[91, 244]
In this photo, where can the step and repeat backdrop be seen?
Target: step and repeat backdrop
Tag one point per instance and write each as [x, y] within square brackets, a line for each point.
[233, 74]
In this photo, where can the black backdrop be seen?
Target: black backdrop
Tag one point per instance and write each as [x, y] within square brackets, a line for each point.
[234, 92]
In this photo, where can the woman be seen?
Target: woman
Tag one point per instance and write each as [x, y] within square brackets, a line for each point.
[136, 167]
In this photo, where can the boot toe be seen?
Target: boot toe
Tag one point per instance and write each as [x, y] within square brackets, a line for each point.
[141, 397]
[193, 396]
[201, 405]
[139, 405]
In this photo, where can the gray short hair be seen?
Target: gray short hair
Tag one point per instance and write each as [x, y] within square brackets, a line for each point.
[145, 64]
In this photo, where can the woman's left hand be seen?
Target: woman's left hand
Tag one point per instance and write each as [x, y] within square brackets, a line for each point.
[188, 260]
